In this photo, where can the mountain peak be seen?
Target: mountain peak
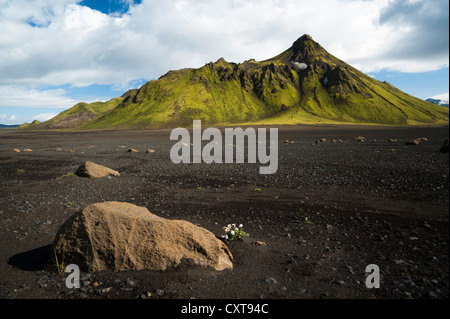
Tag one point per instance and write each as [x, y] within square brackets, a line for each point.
[306, 47]
[305, 37]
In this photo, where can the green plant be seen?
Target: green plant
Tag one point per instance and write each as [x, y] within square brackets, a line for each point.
[70, 174]
[61, 267]
[256, 189]
[232, 232]
[20, 171]
[70, 204]
[307, 221]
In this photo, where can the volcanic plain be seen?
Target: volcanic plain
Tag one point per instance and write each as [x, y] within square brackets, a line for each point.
[337, 203]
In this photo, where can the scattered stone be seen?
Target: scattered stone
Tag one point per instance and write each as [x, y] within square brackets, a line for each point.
[432, 294]
[412, 142]
[286, 141]
[422, 139]
[258, 243]
[271, 281]
[85, 277]
[59, 149]
[103, 290]
[71, 151]
[93, 170]
[129, 282]
[360, 139]
[444, 147]
[109, 236]
[132, 150]
[16, 150]
[159, 292]
[28, 150]
[393, 140]
[323, 140]
[150, 150]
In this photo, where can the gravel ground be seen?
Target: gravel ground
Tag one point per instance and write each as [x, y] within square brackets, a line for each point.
[331, 209]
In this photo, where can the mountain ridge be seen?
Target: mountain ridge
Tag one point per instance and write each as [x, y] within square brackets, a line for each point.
[303, 84]
[438, 101]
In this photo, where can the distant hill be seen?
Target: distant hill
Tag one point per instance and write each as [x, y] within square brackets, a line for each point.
[8, 126]
[438, 102]
[77, 115]
[304, 84]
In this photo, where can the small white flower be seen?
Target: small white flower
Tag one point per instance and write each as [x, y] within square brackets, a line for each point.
[240, 226]
[232, 232]
[226, 237]
[227, 230]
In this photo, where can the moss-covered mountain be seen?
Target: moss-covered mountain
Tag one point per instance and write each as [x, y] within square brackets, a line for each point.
[304, 84]
[77, 115]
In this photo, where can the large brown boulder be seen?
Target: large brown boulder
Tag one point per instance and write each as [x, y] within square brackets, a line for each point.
[120, 236]
[92, 170]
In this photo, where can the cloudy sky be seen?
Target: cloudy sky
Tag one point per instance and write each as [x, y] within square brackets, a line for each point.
[55, 53]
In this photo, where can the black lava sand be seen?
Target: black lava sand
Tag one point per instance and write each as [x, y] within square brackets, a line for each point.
[372, 202]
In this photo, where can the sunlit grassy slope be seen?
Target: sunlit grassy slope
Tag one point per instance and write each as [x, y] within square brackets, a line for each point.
[304, 84]
[77, 115]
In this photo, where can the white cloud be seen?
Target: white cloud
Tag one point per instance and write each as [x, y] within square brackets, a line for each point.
[54, 43]
[43, 116]
[15, 96]
[9, 119]
[443, 97]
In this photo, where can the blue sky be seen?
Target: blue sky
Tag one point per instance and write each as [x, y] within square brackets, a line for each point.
[110, 6]
[54, 54]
